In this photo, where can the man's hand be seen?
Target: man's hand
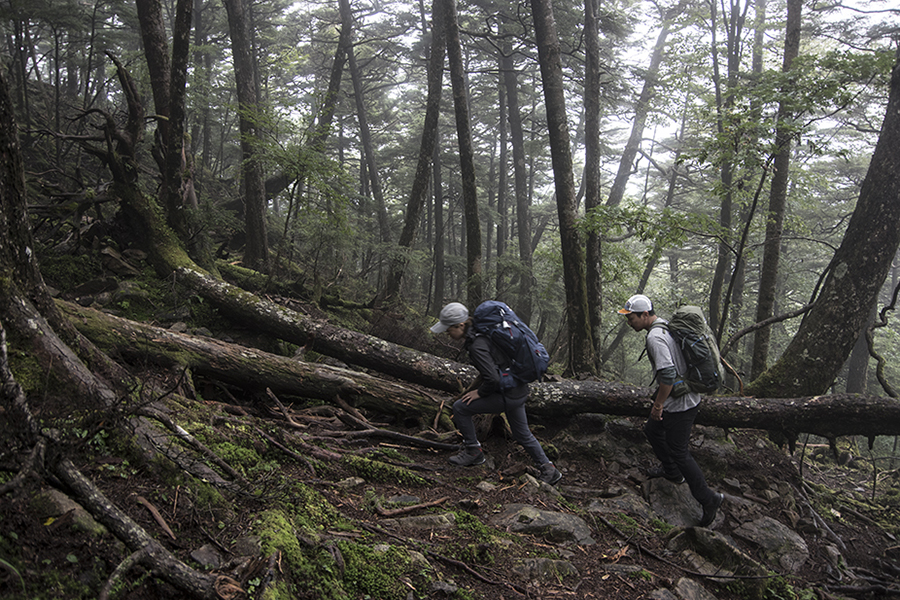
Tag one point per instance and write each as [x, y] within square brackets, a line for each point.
[468, 397]
[656, 412]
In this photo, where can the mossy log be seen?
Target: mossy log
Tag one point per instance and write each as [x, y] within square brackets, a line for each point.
[250, 368]
[348, 346]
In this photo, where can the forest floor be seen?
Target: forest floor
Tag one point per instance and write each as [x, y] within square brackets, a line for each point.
[628, 561]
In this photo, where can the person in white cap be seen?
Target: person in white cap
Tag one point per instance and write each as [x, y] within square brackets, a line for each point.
[672, 415]
[487, 397]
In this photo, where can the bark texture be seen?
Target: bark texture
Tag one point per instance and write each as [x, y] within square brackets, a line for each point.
[860, 265]
[249, 368]
[580, 346]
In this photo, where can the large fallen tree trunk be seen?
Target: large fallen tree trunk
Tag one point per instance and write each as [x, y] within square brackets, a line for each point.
[351, 347]
[827, 416]
[249, 368]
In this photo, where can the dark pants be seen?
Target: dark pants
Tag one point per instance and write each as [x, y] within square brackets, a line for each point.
[515, 416]
[670, 440]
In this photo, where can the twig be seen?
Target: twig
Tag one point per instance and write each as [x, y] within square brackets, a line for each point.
[284, 411]
[156, 515]
[384, 512]
[123, 567]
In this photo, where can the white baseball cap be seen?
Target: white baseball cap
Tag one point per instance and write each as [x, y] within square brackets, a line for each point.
[637, 304]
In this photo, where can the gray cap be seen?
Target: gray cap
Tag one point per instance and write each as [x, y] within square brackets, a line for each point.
[637, 304]
[452, 314]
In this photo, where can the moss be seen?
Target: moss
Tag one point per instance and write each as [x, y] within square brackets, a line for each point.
[67, 271]
[374, 470]
[313, 572]
[472, 525]
[375, 573]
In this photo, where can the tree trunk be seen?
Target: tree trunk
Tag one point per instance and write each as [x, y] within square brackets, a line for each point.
[419, 190]
[855, 275]
[580, 344]
[641, 110]
[346, 345]
[592, 153]
[474, 283]
[249, 368]
[365, 135]
[256, 251]
[724, 102]
[525, 301]
[277, 184]
[827, 416]
[768, 278]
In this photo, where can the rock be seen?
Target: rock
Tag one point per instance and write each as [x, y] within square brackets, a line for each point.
[779, 544]
[207, 557]
[552, 526]
[441, 589]
[545, 569]
[351, 482]
[626, 502]
[672, 503]
[53, 504]
[115, 262]
[439, 521]
[248, 545]
[688, 589]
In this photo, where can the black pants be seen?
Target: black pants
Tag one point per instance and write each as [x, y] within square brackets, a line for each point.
[670, 440]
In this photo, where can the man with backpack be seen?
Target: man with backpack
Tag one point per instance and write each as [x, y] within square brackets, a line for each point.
[491, 394]
[672, 416]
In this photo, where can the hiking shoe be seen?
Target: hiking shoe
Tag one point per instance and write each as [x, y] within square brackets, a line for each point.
[549, 473]
[468, 457]
[661, 472]
[709, 510]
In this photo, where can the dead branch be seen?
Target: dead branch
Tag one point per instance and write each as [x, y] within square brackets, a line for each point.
[384, 512]
[156, 515]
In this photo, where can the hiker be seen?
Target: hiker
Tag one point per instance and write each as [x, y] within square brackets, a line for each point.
[671, 417]
[487, 396]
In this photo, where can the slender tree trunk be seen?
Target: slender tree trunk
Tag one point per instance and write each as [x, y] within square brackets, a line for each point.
[474, 283]
[734, 27]
[365, 135]
[525, 302]
[854, 277]
[502, 180]
[580, 346]
[768, 279]
[592, 151]
[437, 189]
[641, 110]
[256, 252]
[419, 190]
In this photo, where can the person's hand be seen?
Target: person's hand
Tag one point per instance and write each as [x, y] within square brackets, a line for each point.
[656, 412]
[468, 397]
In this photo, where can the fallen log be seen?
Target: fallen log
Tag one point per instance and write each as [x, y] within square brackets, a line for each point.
[250, 368]
[349, 346]
[827, 416]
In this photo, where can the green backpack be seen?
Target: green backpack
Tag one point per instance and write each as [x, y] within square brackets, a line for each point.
[697, 343]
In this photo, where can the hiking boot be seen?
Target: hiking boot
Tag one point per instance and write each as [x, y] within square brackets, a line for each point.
[709, 510]
[660, 471]
[468, 457]
[549, 473]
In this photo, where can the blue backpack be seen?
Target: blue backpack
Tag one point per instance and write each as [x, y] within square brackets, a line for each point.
[528, 359]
